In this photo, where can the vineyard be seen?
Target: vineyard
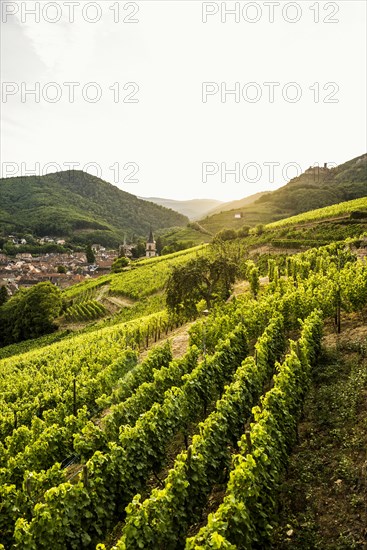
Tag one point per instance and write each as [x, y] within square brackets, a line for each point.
[136, 292]
[146, 277]
[85, 311]
[110, 441]
[333, 211]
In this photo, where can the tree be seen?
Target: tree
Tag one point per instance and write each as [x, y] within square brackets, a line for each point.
[176, 246]
[139, 250]
[30, 313]
[225, 235]
[258, 230]
[243, 231]
[61, 269]
[3, 295]
[90, 254]
[119, 264]
[159, 245]
[199, 279]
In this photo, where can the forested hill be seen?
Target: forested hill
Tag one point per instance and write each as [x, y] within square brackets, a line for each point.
[319, 187]
[315, 188]
[78, 206]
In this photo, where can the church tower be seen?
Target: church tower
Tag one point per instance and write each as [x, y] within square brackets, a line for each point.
[151, 249]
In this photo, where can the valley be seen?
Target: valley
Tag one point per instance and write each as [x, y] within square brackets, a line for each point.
[183, 400]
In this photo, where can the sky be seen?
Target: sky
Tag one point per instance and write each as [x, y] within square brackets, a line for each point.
[182, 99]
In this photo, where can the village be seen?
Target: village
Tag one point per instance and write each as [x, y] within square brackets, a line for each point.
[61, 269]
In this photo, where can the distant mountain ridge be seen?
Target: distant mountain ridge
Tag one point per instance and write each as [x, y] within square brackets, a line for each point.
[193, 209]
[80, 207]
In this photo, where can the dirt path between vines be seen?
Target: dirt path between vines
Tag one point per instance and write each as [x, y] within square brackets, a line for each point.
[179, 339]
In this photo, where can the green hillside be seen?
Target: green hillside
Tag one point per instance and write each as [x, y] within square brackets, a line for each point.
[315, 188]
[355, 209]
[317, 227]
[139, 290]
[118, 439]
[80, 207]
[318, 187]
[252, 215]
[143, 278]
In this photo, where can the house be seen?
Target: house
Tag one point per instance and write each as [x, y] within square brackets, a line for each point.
[46, 240]
[126, 249]
[104, 266]
[58, 279]
[238, 216]
[24, 256]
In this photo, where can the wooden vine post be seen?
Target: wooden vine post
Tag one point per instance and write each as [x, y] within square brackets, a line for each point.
[74, 396]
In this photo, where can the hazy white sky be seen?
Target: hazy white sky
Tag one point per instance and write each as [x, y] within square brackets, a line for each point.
[153, 138]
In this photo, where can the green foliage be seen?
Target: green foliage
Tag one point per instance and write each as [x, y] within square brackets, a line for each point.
[191, 235]
[162, 521]
[271, 269]
[159, 245]
[119, 264]
[225, 235]
[116, 476]
[147, 276]
[314, 189]
[152, 405]
[29, 313]
[90, 254]
[85, 311]
[199, 279]
[36, 249]
[47, 440]
[317, 188]
[333, 211]
[254, 281]
[50, 389]
[39, 446]
[34, 343]
[243, 231]
[127, 411]
[258, 230]
[86, 289]
[3, 295]
[248, 507]
[139, 250]
[78, 206]
[175, 246]
[129, 399]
